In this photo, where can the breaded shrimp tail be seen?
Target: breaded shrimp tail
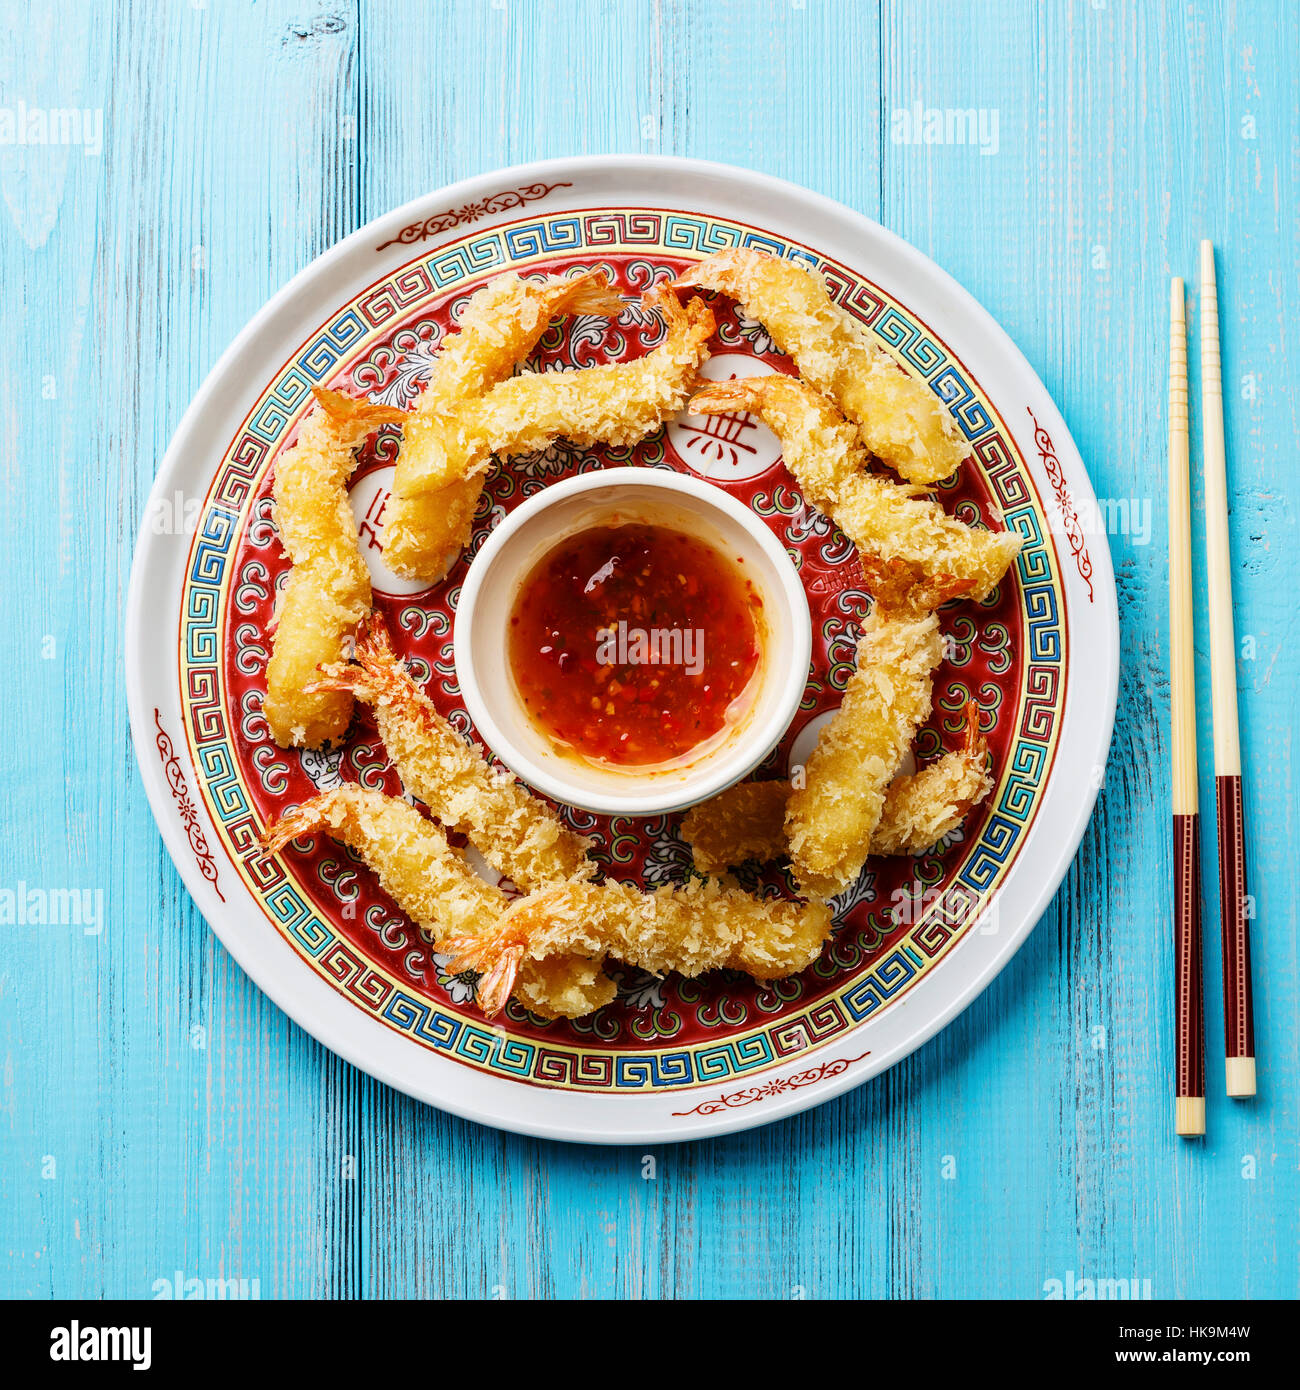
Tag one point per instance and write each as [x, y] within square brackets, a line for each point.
[921, 809]
[618, 403]
[498, 329]
[747, 822]
[831, 820]
[408, 854]
[328, 591]
[434, 886]
[880, 517]
[901, 590]
[517, 834]
[688, 929]
[901, 421]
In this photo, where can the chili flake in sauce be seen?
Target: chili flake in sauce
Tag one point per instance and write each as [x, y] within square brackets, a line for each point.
[634, 644]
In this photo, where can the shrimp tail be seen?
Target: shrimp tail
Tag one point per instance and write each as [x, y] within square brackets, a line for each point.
[374, 645]
[724, 270]
[974, 744]
[727, 397]
[661, 299]
[974, 754]
[303, 820]
[902, 589]
[341, 677]
[687, 280]
[497, 955]
[692, 321]
[374, 671]
[498, 984]
[343, 409]
[467, 952]
[591, 294]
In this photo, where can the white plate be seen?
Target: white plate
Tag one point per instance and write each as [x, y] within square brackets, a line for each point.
[183, 796]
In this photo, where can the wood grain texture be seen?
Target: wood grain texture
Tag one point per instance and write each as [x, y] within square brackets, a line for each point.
[157, 1114]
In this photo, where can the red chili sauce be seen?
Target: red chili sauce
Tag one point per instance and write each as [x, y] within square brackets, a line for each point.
[634, 644]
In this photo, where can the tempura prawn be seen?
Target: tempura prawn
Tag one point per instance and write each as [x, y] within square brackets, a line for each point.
[924, 807]
[690, 929]
[880, 517]
[409, 855]
[747, 822]
[435, 886]
[549, 948]
[516, 833]
[832, 818]
[328, 591]
[900, 419]
[499, 327]
[617, 403]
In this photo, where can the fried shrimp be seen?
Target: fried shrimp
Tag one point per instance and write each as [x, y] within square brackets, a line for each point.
[901, 421]
[831, 820]
[688, 929]
[433, 884]
[408, 854]
[617, 403]
[745, 822]
[328, 591]
[516, 833]
[748, 820]
[922, 808]
[880, 517]
[498, 329]
[548, 949]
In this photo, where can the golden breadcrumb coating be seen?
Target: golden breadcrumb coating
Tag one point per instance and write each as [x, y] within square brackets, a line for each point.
[548, 948]
[409, 855]
[690, 929]
[747, 821]
[832, 818]
[931, 803]
[900, 419]
[499, 327]
[328, 592]
[434, 885]
[618, 403]
[520, 836]
[880, 517]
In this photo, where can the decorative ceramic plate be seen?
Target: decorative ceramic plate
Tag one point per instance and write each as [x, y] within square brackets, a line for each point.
[916, 939]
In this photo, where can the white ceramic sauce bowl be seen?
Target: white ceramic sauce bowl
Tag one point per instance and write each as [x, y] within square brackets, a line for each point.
[657, 497]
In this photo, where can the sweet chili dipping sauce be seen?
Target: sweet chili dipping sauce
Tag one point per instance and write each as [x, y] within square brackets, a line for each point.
[635, 644]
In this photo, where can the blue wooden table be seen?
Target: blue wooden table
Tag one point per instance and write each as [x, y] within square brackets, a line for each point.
[158, 1115]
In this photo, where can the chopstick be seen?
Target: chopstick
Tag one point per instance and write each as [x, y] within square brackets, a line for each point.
[1238, 1009]
[1189, 1102]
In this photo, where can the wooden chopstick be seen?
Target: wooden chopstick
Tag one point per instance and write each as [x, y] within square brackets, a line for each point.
[1238, 1010]
[1189, 1103]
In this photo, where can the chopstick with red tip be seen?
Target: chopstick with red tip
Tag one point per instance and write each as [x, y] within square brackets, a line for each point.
[1189, 1103]
[1238, 1009]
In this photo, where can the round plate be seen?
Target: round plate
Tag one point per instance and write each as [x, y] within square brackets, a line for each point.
[916, 939]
